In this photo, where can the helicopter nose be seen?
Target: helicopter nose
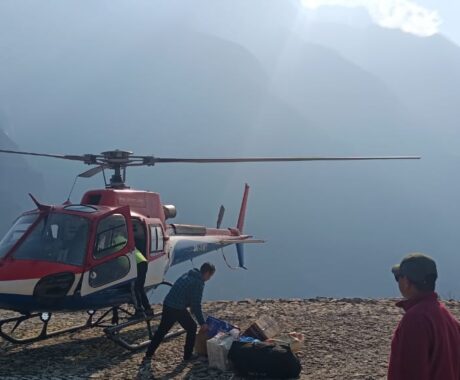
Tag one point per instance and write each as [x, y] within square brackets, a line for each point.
[31, 287]
[53, 287]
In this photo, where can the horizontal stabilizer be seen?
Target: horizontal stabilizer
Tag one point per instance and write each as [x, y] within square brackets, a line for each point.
[240, 241]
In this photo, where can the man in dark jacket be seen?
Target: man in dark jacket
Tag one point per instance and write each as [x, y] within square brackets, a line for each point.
[426, 343]
[186, 292]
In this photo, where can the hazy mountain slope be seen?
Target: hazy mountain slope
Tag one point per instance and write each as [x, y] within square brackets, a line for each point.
[160, 90]
[317, 78]
[341, 97]
[17, 180]
[148, 81]
[423, 72]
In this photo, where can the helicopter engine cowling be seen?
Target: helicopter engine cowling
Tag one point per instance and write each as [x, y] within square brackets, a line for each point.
[170, 211]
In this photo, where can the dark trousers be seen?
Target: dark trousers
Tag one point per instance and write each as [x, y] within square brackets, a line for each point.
[168, 318]
[141, 297]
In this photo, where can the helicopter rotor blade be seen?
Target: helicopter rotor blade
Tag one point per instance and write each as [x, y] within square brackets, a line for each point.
[152, 160]
[92, 172]
[276, 159]
[64, 157]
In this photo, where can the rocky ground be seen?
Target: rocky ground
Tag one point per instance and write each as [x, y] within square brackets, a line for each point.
[345, 339]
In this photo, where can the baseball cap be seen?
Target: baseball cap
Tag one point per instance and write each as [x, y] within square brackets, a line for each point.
[416, 267]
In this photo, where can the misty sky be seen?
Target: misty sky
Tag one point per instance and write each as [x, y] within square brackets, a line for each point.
[423, 17]
[242, 74]
[449, 11]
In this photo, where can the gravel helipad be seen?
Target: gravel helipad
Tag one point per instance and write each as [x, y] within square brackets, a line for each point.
[345, 339]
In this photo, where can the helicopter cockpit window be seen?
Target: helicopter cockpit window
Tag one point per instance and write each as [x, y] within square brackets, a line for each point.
[16, 231]
[156, 240]
[58, 238]
[109, 271]
[112, 236]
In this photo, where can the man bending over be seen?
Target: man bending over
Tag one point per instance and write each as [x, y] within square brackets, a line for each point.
[186, 292]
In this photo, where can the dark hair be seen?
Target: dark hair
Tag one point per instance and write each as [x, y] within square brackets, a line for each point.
[428, 285]
[207, 268]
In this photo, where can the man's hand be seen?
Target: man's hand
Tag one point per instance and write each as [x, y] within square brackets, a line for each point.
[203, 328]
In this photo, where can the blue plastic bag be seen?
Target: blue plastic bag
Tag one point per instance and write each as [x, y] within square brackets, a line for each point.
[216, 325]
[248, 339]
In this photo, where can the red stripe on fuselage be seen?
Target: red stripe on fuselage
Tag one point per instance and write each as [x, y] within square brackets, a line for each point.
[28, 269]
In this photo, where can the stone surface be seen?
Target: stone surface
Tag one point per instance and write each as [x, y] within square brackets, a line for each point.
[345, 339]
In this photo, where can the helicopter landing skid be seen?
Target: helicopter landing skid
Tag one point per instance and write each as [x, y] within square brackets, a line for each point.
[113, 333]
[45, 318]
[43, 334]
[108, 320]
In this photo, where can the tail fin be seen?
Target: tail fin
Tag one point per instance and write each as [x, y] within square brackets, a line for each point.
[220, 217]
[244, 203]
[240, 226]
[240, 252]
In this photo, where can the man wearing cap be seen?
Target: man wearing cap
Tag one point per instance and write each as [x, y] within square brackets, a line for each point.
[426, 343]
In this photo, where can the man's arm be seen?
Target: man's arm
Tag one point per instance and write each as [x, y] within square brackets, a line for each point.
[410, 351]
[197, 295]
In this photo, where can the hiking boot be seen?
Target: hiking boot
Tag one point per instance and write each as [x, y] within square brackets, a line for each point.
[190, 358]
[149, 313]
[145, 368]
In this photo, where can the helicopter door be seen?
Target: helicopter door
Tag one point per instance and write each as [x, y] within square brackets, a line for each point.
[158, 259]
[112, 260]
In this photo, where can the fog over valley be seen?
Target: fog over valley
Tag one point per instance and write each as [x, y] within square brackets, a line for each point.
[259, 78]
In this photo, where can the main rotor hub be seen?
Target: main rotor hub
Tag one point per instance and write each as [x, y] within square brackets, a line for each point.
[117, 160]
[118, 157]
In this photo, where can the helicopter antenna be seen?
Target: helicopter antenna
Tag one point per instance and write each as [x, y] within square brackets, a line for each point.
[105, 178]
[71, 189]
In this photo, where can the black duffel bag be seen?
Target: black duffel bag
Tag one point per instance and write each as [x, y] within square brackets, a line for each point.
[264, 360]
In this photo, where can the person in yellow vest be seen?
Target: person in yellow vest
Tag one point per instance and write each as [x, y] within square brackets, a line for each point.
[141, 297]
[142, 302]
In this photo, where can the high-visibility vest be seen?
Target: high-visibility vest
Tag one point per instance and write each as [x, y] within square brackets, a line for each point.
[140, 258]
[119, 240]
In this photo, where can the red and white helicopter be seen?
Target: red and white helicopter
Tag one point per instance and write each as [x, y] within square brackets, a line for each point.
[65, 257]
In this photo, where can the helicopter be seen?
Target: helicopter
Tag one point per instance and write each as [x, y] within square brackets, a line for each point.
[66, 258]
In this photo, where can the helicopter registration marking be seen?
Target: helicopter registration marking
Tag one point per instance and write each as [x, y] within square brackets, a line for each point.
[132, 201]
[200, 247]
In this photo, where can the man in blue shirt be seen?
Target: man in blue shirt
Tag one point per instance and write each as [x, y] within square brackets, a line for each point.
[186, 292]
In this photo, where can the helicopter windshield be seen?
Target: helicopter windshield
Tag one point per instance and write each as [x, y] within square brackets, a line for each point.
[16, 231]
[57, 238]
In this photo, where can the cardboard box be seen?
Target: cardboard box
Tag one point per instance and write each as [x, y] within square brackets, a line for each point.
[264, 328]
[200, 344]
[295, 341]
